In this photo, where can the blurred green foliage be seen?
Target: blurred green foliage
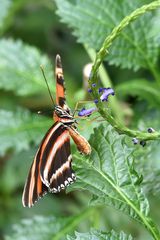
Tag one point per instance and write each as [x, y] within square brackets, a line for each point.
[117, 175]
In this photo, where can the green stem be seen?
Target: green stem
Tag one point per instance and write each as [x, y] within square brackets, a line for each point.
[73, 223]
[106, 81]
[121, 129]
[116, 32]
[98, 60]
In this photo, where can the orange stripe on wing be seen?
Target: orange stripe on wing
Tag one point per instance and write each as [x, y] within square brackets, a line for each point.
[60, 89]
[27, 198]
[48, 136]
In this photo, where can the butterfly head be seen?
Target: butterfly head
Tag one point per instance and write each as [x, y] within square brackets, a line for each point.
[63, 115]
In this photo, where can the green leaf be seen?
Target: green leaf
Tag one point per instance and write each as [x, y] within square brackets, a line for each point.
[147, 159]
[14, 172]
[38, 228]
[47, 227]
[20, 68]
[141, 88]
[91, 22]
[5, 5]
[21, 128]
[110, 175]
[96, 235]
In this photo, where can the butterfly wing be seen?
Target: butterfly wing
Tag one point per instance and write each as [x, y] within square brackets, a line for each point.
[55, 170]
[51, 169]
[60, 88]
[34, 187]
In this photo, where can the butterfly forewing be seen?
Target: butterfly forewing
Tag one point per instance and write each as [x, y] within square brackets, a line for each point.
[60, 88]
[34, 187]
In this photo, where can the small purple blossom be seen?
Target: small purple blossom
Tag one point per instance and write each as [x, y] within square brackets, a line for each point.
[105, 93]
[89, 90]
[150, 130]
[86, 112]
[100, 89]
[93, 84]
[142, 143]
[95, 101]
[135, 140]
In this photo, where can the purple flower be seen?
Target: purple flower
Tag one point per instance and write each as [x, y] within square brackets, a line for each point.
[95, 101]
[89, 90]
[105, 93]
[101, 89]
[93, 84]
[135, 140]
[86, 112]
[150, 130]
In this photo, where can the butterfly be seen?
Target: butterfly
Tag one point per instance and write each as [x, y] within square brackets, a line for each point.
[51, 170]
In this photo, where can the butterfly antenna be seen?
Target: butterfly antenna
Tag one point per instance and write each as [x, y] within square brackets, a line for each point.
[47, 84]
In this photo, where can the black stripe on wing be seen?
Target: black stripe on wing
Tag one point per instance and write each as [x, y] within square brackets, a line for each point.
[56, 171]
[53, 157]
[34, 187]
[61, 173]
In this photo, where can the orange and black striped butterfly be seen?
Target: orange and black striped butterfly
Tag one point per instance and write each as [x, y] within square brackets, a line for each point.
[51, 170]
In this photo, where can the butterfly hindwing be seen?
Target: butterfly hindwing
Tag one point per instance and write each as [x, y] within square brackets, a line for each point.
[56, 158]
[51, 169]
[34, 187]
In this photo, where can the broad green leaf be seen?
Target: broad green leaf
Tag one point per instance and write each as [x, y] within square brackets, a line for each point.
[20, 68]
[92, 21]
[19, 129]
[110, 175]
[39, 228]
[141, 88]
[5, 5]
[96, 235]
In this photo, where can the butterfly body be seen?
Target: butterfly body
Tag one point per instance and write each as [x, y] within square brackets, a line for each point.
[51, 170]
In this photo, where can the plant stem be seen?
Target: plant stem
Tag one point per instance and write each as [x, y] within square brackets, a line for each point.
[106, 81]
[119, 127]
